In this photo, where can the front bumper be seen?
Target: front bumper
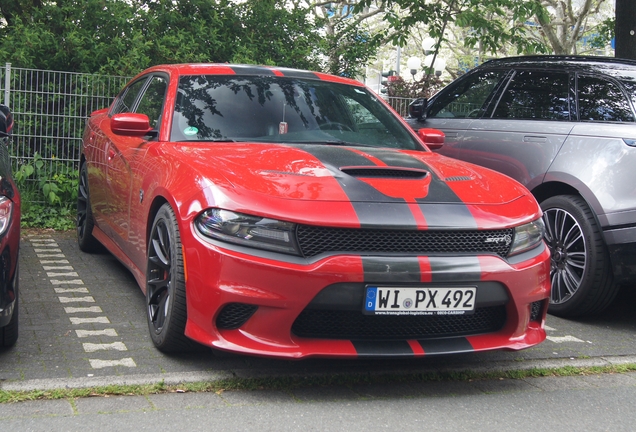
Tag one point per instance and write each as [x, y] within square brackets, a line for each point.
[278, 291]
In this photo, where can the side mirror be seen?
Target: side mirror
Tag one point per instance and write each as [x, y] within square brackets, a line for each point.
[433, 138]
[130, 124]
[6, 121]
[417, 108]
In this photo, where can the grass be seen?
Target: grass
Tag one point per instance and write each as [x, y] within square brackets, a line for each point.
[290, 383]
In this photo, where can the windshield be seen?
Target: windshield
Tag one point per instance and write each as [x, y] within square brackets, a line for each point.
[283, 110]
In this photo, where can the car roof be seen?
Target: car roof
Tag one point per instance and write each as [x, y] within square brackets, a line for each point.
[623, 69]
[246, 70]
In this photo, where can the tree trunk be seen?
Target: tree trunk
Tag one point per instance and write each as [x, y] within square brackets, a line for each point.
[626, 29]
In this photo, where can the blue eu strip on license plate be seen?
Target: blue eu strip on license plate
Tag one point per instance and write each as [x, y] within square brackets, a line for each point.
[382, 300]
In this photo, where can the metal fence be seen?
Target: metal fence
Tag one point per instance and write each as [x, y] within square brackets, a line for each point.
[50, 109]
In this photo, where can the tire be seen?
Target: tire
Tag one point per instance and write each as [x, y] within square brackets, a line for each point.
[85, 221]
[9, 333]
[165, 285]
[580, 270]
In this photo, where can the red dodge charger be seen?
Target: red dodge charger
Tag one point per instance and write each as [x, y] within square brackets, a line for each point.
[288, 213]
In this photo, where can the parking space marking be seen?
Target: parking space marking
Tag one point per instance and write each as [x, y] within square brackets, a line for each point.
[96, 320]
[56, 274]
[87, 299]
[68, 282]
[82, 290]
[99, 364]
[94, 309]
[88, 333]
[115, 346]
[561, 339]
[65, 279]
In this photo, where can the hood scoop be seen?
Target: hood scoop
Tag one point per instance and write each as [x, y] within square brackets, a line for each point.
[384, 172]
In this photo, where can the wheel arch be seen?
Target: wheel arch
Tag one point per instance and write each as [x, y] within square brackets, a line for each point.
[157, 202]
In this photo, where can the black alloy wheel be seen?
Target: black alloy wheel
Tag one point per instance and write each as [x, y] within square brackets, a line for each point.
[165, 284]
[580, 271]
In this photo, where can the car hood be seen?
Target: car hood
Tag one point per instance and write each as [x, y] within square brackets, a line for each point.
[352, 174]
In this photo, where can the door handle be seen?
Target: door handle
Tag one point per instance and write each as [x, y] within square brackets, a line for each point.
[534, 138]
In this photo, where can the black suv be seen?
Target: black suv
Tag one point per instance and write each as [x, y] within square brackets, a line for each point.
[564, 127]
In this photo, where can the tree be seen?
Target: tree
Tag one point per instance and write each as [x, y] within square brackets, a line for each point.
[626, 29]
[349, 40]
[531, 26]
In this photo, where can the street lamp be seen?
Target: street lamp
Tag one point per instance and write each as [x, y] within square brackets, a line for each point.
[413, 63]
[438, 67]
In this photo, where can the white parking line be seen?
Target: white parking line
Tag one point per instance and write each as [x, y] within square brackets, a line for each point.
[57, 268]
[99, 364]
[56, 274]
[94, 309]
[115, 346]
[561, 339]
[95, 320]
[87, 299]
[68, 282]
[70, 290]
[87, 333]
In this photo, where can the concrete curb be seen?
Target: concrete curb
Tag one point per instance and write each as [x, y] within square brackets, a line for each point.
[203, 376]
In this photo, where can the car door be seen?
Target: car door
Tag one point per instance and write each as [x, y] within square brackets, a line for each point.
[521, 134]
[124, 152]
[455, 108]
[597, 146]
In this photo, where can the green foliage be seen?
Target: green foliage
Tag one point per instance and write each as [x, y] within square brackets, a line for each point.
[49, 193]
[123, 37]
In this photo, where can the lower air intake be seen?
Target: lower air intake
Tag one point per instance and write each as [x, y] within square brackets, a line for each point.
[234, 315]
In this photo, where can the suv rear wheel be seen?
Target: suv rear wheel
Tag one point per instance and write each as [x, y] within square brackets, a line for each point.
[580, 271]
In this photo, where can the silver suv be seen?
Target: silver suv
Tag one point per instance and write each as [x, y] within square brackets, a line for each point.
[564, 127]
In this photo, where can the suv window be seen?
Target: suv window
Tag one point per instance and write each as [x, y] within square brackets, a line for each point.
[602, 100]
[535, 95]
[469, 99]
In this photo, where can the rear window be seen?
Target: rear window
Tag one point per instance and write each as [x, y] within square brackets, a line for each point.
[602, 100]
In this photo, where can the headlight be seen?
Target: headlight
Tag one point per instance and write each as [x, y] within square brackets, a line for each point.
[6, 207]
[247, 230]
[527, 236]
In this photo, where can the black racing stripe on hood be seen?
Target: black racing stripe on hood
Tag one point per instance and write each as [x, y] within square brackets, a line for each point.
[369, 203]
[391, 270]
[446, 346]
[448, 209]
[382, 348]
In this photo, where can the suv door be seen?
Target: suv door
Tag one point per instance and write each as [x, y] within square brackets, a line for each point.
[522, 132]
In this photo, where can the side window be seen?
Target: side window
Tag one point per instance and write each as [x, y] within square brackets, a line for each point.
[602, 100]
[152, 100]
[469, 98]
[127, 98]
[535, 95]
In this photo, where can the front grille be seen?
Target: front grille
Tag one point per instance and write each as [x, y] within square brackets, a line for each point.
[314, 240]
[337, 324]
[234, 315]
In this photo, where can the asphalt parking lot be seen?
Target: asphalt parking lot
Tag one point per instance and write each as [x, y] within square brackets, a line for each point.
[82, 323]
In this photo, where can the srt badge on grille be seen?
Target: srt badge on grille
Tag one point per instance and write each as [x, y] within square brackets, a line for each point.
[507, 239]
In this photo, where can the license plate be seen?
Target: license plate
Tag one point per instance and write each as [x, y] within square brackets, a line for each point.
[382, 300]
